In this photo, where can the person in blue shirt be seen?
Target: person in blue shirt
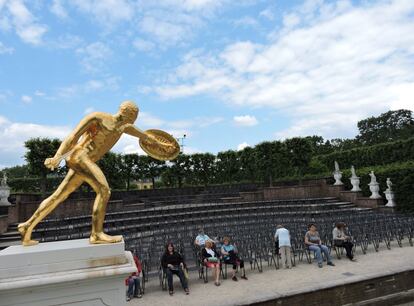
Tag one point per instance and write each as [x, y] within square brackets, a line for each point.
[230, 256]
[201, 238]
[282, 236]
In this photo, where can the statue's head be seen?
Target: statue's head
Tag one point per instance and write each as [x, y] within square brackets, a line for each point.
[128, 111]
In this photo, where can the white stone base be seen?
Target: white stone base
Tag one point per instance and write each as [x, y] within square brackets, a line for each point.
[70, 272]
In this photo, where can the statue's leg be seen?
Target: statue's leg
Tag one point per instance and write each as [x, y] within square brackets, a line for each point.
[69, 184]
[96, 179]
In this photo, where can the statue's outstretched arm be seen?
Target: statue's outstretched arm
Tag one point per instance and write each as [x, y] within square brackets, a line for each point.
[132, 130]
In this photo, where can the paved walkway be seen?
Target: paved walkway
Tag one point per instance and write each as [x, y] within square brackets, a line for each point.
[277, 283]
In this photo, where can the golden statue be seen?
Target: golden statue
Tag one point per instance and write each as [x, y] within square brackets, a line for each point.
[94, 136]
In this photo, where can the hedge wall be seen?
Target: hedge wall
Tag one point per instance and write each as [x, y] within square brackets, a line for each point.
[381, 154]
[32, 184]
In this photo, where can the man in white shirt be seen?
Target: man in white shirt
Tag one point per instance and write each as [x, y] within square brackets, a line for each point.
[283, 237]
[201, 238]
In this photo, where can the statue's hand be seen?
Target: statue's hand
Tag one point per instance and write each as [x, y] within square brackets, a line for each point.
[52, 163]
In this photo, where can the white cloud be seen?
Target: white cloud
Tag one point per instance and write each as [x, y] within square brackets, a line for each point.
[167, 32]
[90, 86]
[14, 134]
[5, 50]
[39, 93]
[107, 12]
[246, 21]
[22, 20]
[143, 45]
[26, 99]
[267, 13]
[246, 120]
[66, 41]
[327, 59]
[149, 121]
[242, 146]
[93, 56]
[88, 110]
[173, 22]
[58, 9]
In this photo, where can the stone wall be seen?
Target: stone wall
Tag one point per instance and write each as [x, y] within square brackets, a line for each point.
[292, 192]
[381, 291]
[69, 208]
[3, 223]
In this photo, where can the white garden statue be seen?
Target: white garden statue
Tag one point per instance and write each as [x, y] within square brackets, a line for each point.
[4, 191]
[354, 180]
[374, 187]
[389, 194]
[337, 175]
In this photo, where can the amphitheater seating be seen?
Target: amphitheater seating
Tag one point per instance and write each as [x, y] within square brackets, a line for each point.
[251, 226]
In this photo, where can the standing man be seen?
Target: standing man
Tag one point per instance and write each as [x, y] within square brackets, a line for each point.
[201, 238]
[283, 237]
[94, 136]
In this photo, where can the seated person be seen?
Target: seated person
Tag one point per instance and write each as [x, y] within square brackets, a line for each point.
[282, 238]
[313, 243]
[229, 253]
[134, 282]
[340, 239]
[201, 238]
[211, 260]
[172, 262]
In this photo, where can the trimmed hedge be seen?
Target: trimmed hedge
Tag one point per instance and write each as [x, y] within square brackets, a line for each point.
[381, 154]
[32, 184]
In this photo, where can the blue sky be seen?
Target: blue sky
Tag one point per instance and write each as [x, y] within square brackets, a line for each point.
[225, 73]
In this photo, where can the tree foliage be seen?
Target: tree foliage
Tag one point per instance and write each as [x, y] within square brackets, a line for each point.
[388, 126]
[38, 149]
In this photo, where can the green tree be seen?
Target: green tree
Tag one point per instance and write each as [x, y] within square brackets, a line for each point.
[16, 171]
[152, 168]
[248, 169]
[265, 162]
[180, 169]
[389, 126]
[130, 168]
[203, 167]
[339, 144]
[38, 149]
[227, 167]
[300, 154]
[110, 165]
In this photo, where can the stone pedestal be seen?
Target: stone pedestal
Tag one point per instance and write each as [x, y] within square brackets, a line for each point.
[337, 176]
[355, 183]
[374, 188]
[4, 195]
[350, 196]
[70, 272]
[389, 195]
[335, 191]
[370, 203]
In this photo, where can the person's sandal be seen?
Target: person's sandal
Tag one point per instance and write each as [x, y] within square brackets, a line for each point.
[187, 291]
[234, 278]
[217, 283]
[244, 277]
[171, 293]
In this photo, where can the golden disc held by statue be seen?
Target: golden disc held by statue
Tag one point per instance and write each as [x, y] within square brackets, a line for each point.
[165, 148]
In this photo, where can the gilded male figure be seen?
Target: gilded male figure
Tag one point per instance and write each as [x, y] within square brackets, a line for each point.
[94, 136]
